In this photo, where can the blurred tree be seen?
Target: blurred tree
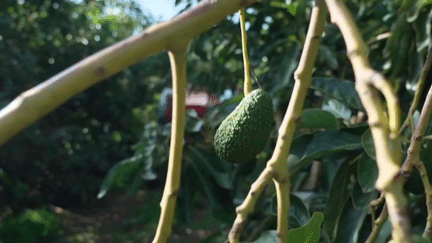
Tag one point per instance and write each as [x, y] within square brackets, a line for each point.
[62, 158]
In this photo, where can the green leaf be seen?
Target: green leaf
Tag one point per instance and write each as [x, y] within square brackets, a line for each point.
[414, 67]
[308, 233]
[384, 233]
[297, 151]
[269, 236]
[337, 108]
[291, 8]
[205, 165]
[299, 214]
[420, 239]
[183, 201]
[368, 144]
[367, 173]
[288, 66]
[338, 89]
[361, 199]
[315, 118]
[329, 56]
[423, 27]
[121, 174]
[203, 181]
[321, 144]
[349, 224]
[338, 194]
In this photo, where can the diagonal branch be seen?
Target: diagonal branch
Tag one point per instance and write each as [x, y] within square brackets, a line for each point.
[276, 167]
[169, 35]
[413, 157]
[384, 130]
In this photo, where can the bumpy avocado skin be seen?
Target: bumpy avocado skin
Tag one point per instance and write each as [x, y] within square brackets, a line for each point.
[244, 133]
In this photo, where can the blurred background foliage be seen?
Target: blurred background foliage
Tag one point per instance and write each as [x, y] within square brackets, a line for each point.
[115, 135]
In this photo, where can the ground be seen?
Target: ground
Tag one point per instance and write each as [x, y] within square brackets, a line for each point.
[121, 217]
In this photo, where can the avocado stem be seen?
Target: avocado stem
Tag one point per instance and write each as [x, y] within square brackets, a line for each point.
[247, 85]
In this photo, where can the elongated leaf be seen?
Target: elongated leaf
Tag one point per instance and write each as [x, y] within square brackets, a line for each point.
[337, 108]
[315, 118]
[299, 214]
[121, 173]
[297, 151]
[321, 144]
[368, 144]
[367, 173]
[338, 194]
[223, 179]
[183, 201]
[329, 56]
[269, 236]
[291, 8]
[308, 233]
[350, 222]
[338, 89]
[385, 232]
[361, 199]
[423, 27]
[331, 140]
[204, 182]
[288, 66]
[420, 239]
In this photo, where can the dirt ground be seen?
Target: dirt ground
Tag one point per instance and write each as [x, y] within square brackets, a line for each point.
[121, 217]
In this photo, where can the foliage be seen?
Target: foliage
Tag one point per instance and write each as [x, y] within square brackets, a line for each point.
[31, 226]
[113, 125]
[62, 158]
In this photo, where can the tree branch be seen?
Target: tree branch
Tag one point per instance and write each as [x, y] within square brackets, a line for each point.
[413, 156]
[169, 35]
[384, 130]
[276, 166]
[172, 184]
[377, 225]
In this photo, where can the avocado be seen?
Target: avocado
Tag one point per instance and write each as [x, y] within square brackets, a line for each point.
[244, 132]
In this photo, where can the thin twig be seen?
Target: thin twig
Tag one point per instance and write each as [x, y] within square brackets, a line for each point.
[377, 225]
[249, 203]
[428, 192]
[413, 157]
[417, 136]
[374, 204]
[420, 83]
[258, 230]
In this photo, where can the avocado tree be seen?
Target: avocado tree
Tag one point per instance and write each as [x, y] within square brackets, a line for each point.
[369, 157]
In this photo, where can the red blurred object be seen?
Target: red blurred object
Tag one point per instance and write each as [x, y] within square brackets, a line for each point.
[200, 101]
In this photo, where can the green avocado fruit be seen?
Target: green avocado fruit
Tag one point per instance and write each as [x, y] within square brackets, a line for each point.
[245, 132]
